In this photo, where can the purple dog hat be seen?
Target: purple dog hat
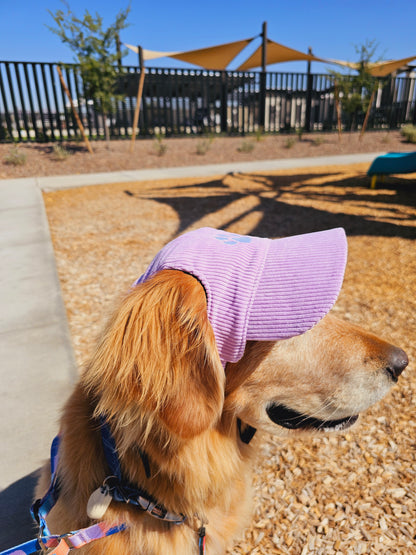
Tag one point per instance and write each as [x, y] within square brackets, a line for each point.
[259, 289]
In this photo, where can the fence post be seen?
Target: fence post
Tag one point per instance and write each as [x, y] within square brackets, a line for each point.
[308, 95]
[224, 100]
[263, 76]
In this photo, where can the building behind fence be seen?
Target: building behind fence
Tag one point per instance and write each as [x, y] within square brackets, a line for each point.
[33, 105]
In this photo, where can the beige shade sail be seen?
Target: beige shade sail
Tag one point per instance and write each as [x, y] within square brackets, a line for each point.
[213, 57]
[276, 53]
[379, 69]
[150, 54]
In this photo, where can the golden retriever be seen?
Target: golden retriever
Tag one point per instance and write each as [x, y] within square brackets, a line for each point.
[183, 427]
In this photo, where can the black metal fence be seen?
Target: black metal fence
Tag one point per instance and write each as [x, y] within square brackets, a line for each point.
[33, 105]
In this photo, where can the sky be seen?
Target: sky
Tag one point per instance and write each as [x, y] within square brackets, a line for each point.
[333, 28]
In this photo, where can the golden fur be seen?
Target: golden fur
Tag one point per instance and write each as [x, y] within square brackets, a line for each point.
[157, 377]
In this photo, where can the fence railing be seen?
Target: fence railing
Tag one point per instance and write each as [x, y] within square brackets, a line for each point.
[33, 105]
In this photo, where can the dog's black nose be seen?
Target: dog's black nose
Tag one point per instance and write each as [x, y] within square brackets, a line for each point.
[397, 362]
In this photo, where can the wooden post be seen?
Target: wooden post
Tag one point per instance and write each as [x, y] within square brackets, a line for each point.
[138, 99]
[77, 118]
[367, 115]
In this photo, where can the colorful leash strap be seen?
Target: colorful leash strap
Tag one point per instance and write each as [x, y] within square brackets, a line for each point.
[62, 544]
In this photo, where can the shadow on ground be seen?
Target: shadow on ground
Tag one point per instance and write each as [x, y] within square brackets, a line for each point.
[17, 525]
[288, 204]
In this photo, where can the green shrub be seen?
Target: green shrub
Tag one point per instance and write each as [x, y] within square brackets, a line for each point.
[15, 157]
[203, 146]
[290, 141]
[409, 133]
[318, 141]
[160, 146]
[60, 153]
[259, 134]
[246, 146]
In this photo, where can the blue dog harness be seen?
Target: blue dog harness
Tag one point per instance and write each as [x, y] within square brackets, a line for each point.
[116, 487]
[113, 486]
[59, 544]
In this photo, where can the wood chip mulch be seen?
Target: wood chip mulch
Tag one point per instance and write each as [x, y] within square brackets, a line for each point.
[338, 494]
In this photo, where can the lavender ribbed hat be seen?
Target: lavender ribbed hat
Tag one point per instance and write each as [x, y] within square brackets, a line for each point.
[259, 289]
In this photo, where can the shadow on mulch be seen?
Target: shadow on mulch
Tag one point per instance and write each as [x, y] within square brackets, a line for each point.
[279, 218]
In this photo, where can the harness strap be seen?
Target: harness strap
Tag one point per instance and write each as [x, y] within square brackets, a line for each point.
[121, 490]
[31, 546]
[61, 545]
[41, 507]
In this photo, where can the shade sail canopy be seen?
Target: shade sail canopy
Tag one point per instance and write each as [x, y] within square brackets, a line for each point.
[276, 53]
[378, 69]
[213, 57]
[220, 56]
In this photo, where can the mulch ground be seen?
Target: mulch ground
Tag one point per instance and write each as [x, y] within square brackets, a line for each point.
[339, 494]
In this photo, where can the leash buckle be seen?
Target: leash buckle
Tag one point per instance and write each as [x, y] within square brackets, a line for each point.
[61, 545]
[158, 511]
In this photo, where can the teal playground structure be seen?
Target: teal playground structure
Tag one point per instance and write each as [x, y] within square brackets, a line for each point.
[393, 162]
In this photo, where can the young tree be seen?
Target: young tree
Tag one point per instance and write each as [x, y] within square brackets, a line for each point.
[354, 92]
[96, 53]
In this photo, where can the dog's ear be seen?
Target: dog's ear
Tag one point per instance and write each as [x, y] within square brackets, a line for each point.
[158, 355]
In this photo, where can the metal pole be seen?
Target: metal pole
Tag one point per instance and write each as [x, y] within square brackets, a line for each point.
[308, 96]
[262, 96]
[118, 48]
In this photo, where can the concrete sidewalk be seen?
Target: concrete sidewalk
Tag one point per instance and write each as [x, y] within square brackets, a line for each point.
[37, 362]
[70, 181]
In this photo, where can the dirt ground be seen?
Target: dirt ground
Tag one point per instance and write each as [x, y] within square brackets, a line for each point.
[340, 494]
[48, 159]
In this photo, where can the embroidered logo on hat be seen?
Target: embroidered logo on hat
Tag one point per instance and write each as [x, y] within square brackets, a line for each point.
[232, 239]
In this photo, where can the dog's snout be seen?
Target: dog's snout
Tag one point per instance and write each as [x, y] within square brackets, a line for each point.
[397, 362]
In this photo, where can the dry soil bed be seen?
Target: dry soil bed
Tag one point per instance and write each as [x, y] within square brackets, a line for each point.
[339, 494]
[44, 159]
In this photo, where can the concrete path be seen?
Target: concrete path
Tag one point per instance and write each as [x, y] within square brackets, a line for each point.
[37, 365]
[69, 181]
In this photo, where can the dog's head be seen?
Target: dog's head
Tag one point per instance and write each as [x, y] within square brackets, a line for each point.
[320, 380]
[158, 361]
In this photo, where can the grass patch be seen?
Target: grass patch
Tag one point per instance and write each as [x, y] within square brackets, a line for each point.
[203, 146]
[60, 153]
[15, 157]
[290, 142]
[246, 146]
[160, 146]
[318, 141]
[409, 133]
